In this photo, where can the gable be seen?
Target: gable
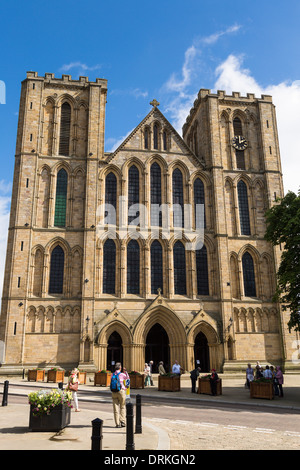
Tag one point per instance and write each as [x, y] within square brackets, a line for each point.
[135, 141]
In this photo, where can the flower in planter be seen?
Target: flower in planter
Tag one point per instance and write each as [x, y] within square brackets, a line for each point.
[134, 372]
[170, 374]
[43, 401]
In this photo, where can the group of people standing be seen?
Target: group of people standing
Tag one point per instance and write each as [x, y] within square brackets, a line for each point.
[269, 372]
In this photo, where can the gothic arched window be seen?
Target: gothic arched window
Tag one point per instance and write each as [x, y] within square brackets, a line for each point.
[165, 141]
[133, 190]
[178, 206]
[199, 198]
[65, 127]
[61, 198]
[155, 136]
[155, 185]
[243, 208]
[179, 269]
[146, 138]
[133, 267]
[202, 271]
[156, 267]
[249, 275]
[57, 262]
[109, 267]
[111, 197]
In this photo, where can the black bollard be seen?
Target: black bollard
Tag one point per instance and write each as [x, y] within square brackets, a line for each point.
[129, 427]
[138, 415]
[97, 434]
[5, 393]
[61, 385]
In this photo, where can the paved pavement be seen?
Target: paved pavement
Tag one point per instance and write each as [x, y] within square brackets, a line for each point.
[156, 435]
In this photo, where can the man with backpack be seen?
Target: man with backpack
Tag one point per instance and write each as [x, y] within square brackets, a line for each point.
[118, 389]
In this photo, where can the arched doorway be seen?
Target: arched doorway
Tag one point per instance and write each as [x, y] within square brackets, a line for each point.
[201, 352]
[157, 347]
[114, 350]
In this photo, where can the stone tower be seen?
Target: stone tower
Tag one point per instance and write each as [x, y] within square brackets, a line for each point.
[60, 141]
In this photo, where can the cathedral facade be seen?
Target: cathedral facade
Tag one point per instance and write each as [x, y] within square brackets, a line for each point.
[106, 260]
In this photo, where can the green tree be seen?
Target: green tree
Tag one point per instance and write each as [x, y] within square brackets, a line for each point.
[283, 228]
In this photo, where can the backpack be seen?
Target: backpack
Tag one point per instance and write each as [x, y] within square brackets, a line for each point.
[115, 384]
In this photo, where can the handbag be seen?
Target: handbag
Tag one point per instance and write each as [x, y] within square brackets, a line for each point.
[73, 387]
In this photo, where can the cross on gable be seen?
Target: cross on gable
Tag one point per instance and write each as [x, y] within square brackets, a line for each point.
[154, 103]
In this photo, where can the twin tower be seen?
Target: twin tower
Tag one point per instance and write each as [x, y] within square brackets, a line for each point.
[85, 286]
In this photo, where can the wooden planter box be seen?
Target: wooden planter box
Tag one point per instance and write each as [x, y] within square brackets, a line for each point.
[169, 384]
[137, 381]
[261, 390]
[82, 377]
[36, 375]
[102, 378]
[55, 375]
[204, 386]
[58, 419]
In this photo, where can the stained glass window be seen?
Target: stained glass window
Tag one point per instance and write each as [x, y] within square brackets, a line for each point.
[199, 198]
[155, 183]
[133, 267]
[65, 126]
[111, 197]
[178, 212]
[179, 269]
[109, 267]
[249, 275]
[133, 190]
[146, 138]
[156, 267]
[202, 271]
[243, 208]
[61, 198]
[57, 271]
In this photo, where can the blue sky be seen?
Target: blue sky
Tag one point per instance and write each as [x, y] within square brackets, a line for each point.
[166, 50]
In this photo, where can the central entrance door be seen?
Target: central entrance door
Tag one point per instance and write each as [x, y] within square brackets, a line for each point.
[157, 347]
[114, 351]
[201, 352]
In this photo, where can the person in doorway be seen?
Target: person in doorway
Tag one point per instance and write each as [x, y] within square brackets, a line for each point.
[72, 386]
[176, 369]
[213, 382]
[147, 374]
[118, 389]
[194, 375]
[161, 369]
[151, 367]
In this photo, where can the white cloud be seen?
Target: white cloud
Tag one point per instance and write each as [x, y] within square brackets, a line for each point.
[231, 76]
[136, 92]
[80, 67]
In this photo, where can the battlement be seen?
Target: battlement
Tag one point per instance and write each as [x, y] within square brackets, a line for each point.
[205, 94]
[66, 79]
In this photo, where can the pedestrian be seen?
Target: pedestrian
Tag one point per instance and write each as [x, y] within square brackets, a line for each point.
[147, 374]
[213, 381]
[249, 375]
[194, 375]
[176, 369]
[161, 369]
[72, 386]
[118, 389]
[279, 381]
[258, 371]
[268, 373]
[151, 367]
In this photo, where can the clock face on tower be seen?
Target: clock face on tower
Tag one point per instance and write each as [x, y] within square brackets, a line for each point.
[239, 142]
